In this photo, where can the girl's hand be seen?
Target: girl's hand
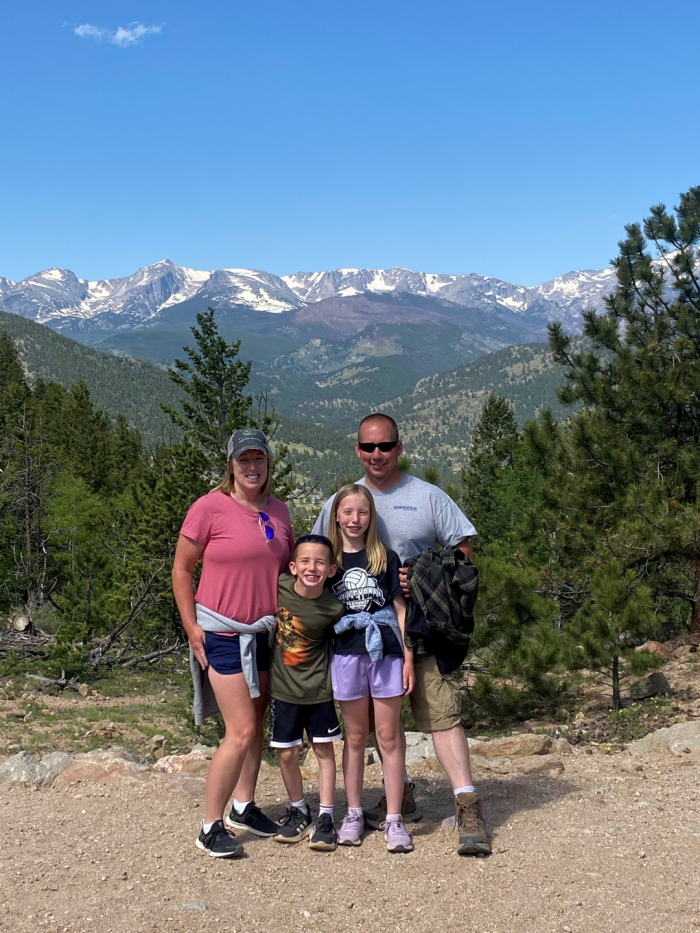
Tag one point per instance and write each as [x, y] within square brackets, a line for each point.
[196, 639]
[409, 675]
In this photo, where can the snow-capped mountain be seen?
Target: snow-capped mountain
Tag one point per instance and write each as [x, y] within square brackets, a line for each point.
[5, 286]
[59, 298]
[563, 298]
[460, 289]
[258, 290]
[578, 291]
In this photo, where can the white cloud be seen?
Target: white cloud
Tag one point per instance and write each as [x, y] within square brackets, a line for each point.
[123, 36]
[86, 31]
[132, 35]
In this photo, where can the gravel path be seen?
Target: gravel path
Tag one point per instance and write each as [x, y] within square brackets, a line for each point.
[597, 848]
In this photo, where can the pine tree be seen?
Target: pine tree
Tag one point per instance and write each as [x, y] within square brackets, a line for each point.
[602, 634]
[214, 381]
[515, 642]
[490, 452]
[499, 483]
[217, 405]
[629, 469]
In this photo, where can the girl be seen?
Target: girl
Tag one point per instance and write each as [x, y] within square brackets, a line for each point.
[370, 660]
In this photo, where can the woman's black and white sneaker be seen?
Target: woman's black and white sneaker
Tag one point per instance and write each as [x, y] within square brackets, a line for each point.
[218, 843]
[295, 826]
[324, 837]
[252, 819]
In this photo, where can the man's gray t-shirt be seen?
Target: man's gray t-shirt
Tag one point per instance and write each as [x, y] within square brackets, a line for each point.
[413, 515]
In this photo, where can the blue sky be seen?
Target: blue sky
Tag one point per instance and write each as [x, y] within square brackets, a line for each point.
[510, 139]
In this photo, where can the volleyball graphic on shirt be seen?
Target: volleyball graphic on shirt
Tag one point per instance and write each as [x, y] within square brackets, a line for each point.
[358, 590]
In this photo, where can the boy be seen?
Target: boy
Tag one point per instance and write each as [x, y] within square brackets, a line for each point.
[300, 687]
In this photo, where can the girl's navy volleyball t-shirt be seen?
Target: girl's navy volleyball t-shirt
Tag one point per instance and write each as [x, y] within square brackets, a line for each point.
[360, 591]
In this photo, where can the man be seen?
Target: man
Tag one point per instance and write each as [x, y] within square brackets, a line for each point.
[415, 515]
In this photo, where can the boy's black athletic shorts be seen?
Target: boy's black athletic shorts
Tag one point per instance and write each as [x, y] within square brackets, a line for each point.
[289, 720]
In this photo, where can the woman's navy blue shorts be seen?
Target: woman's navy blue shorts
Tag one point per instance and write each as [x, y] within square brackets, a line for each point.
[224, 652]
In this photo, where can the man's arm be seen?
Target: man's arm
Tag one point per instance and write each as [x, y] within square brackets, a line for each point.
[466, 546]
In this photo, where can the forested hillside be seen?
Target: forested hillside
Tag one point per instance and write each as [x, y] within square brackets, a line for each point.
[117, 384]
[136, 389]
[317, 414]
[439, 415]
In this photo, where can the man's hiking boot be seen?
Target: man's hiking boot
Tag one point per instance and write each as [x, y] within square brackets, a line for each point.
[218, 843]
[469, 826]
[295, 826]
[324, 838]
[252, 819]
[409, 809]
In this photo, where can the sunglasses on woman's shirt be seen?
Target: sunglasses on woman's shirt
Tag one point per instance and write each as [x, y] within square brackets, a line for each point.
[266, 526]
[384, 446]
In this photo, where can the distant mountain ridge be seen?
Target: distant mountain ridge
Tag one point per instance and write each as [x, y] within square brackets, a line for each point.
[318, 415]
[67, 303]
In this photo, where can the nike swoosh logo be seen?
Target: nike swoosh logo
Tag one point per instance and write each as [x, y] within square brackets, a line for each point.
[336, 729]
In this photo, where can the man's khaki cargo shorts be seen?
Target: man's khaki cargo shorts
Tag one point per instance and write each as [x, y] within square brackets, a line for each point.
[436, 702]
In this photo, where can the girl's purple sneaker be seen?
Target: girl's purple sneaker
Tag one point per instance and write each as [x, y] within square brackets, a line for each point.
[397, 838]
[350, 832]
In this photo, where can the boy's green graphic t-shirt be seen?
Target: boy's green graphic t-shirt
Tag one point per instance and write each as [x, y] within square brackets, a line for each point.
[301, 660]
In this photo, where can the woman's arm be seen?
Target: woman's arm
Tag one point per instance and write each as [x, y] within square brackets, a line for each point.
[409, 677]
[187, 553]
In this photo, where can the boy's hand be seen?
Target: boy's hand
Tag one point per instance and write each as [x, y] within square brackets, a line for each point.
[403, 580]
[409, 674]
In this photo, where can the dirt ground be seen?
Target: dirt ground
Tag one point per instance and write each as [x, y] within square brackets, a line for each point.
[597, 848]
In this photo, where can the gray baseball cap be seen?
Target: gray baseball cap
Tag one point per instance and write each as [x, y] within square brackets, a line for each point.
[246, 439]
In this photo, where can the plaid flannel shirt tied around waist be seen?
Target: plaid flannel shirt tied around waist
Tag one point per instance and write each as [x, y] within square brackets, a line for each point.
[443, 587]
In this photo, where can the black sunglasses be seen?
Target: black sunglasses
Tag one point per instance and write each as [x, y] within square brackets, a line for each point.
[384, 446]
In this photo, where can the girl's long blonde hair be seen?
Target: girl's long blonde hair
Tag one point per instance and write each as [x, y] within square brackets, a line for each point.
[375, 549]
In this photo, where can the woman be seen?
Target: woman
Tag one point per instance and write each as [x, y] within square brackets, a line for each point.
[244, 538]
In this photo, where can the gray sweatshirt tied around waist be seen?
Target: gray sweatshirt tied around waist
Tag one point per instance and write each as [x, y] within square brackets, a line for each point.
[205, 704]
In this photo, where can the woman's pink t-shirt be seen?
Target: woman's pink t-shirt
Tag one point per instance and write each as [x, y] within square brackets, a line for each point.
[239, 566]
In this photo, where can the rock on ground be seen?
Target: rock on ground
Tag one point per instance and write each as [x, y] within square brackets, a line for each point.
[311, 762]
[651, 686]
[656, 647]
[676, 738]
[514, 746]
[419, 746]
[196, 762]
[113, 765]
[24, 768]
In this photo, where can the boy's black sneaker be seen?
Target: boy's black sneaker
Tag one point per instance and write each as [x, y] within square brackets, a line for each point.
[252, 819]
[324, 837]
[295, 826]
[218, 843]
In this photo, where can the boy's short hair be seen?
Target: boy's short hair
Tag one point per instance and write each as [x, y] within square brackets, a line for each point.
[314, 539]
